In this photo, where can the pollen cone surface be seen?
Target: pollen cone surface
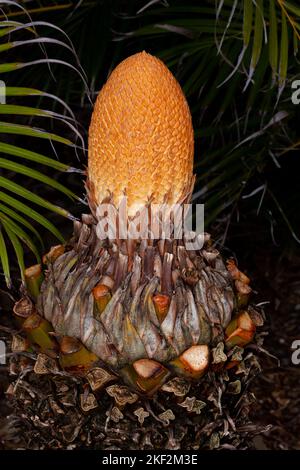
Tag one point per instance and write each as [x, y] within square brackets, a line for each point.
[141, 141]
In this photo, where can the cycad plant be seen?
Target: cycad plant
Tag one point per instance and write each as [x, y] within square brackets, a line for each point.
[139, 315]
[158, 331]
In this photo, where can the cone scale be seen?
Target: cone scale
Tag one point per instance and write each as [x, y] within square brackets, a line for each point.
[141, 140]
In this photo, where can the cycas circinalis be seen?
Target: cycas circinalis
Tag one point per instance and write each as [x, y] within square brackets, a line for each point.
[149, 313]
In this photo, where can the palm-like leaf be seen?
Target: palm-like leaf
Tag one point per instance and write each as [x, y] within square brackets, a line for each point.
[18, 217]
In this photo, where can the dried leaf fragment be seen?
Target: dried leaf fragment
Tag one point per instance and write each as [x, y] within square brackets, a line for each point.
[98, 378]
[45, 365]
[122, 394]
[115, 414]
[167, 416]
[193, 405]
[19, 344]
[234, 388]
[179, 386]
[218, 354]
[141, 414]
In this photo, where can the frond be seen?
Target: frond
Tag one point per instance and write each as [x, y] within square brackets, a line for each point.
[21, 205]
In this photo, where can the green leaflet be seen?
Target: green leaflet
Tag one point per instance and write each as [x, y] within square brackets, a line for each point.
[20, 233]
[295, 43]
[24, 209]
[33, 156]
[10, 67]
[258, 34]
[31, 173]
[22, 91]
[19, 129]
[17, 189]
[247, 23]
[17, 247]
[14, 215]
[23, 110]
[4, 259]
[273, 39]
[284, 51]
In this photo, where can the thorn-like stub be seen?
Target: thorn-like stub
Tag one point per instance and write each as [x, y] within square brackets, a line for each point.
[69, 345]
[38, 331]
[74, 357]
[240, 330]
[32, 322]
[244, 321]
[53, 254]
[196, 358]
[161, 304]
[145, 375]
[33, 271]
[33, 280]
[193, 362]
[100, 291]
[235, 273]
[147, 369]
